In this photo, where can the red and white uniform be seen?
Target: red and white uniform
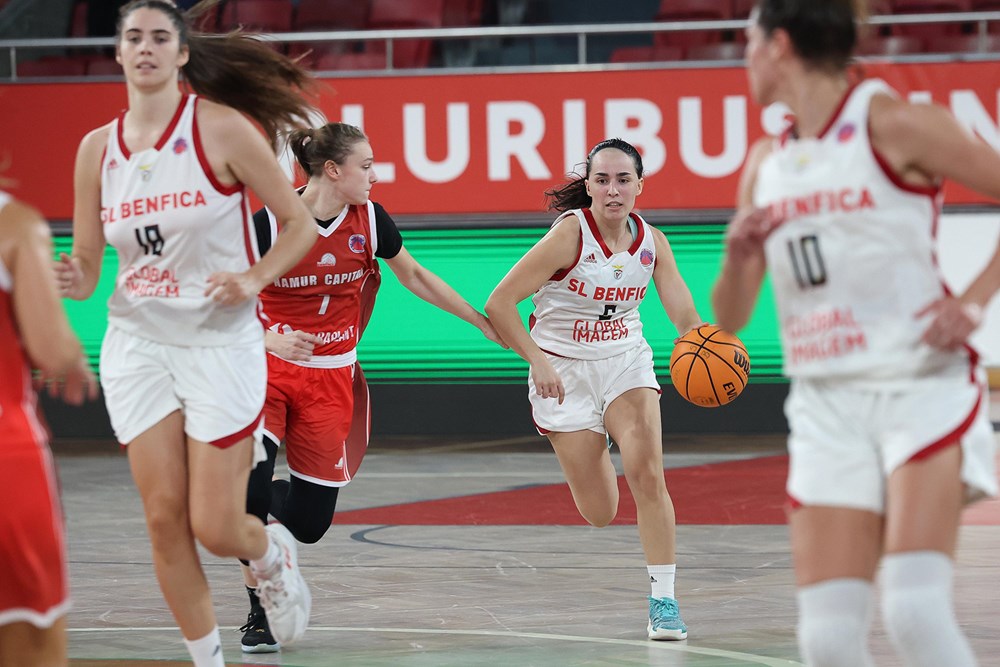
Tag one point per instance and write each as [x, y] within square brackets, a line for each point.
[169, 346]
[319, 407]
[591, 311]
[586, 319]
[851, 265]
[173, 224]
[32, 536]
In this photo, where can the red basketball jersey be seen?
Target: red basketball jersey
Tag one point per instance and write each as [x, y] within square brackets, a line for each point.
[327, 291]
[32, 544]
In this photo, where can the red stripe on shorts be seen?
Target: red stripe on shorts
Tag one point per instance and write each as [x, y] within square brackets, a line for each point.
[950, 438]
[230, 440]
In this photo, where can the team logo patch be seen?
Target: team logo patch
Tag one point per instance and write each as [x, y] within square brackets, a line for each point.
[357, 243]
[327, 260]
[146, 171]
[618, 270]
[845, 133]
[646, 258]
[180, 145]
[590, 259]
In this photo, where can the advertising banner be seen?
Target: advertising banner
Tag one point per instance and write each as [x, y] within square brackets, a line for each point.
[492, 143]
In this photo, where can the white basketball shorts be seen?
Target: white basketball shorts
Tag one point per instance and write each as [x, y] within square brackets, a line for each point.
[845, 440]
[590, 387]
[220, 389]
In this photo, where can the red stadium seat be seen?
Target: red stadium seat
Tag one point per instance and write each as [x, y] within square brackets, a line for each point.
[927, 30]
[331, 15]
[891, 45]
[458, 13]
[646, 54]
[719, 51]
[339, 62]
[410, 14]
[258, 15]
[691, 10]
[103, 67]
[964, 44]
[392, 14]
[52, 66]
[741, 8]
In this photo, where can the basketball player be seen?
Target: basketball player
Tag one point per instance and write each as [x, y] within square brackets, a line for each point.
[34, 332]
[183, 363]
[888, 406]
[591, 369]
[317, 398]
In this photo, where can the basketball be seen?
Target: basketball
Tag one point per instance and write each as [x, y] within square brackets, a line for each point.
[709, 367]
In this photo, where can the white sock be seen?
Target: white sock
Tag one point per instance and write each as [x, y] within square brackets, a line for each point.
[267, 563]
[661, 580]
[918, 612]
[207, 651]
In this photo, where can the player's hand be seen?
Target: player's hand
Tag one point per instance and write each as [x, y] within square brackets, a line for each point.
[690, 329]
[69, 275]
[293, 346]
[229, 289]
[74, 386]
[548, 384]
[747, 232]
[952, 322]
[491, 333]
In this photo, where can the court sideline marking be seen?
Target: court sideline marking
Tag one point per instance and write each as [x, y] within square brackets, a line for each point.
[660, 646]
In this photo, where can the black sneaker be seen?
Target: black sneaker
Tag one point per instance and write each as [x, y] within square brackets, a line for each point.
[257, 634]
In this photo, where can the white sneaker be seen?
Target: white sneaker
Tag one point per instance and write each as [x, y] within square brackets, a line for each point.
[283, 592]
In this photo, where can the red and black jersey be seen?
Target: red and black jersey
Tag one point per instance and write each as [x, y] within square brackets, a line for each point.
[331, 291]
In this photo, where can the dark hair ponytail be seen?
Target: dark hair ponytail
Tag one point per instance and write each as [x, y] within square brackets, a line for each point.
[574, 194]
[333, 141]
[237, 69]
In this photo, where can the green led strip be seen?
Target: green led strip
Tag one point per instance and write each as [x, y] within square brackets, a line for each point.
[408, 340]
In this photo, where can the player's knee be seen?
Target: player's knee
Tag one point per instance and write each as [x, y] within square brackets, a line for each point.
[917, 610]
[834, 617]
[598, 517]
[168, 526]
[309, 529]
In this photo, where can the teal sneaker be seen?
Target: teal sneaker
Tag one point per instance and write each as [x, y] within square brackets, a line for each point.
[665, 620]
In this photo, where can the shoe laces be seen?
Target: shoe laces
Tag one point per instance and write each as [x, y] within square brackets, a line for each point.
[256, 620]
[660, 607]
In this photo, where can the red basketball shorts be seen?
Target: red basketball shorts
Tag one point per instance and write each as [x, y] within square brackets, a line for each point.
[322, 416]
[32, 537]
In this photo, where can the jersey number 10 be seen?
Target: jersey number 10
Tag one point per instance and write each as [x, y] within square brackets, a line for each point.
[807, 261]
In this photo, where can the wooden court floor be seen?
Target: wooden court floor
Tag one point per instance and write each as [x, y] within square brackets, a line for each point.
[462, 552]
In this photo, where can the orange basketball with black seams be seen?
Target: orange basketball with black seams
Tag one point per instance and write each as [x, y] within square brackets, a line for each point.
[709, 367]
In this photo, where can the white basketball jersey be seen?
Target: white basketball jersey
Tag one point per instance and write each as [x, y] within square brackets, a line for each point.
[173, 224]
[853, 261]
[590, 311]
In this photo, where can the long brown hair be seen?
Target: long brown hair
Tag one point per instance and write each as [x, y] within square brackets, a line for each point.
[236, 69]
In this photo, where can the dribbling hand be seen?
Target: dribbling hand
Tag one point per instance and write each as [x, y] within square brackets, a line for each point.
[69, 275]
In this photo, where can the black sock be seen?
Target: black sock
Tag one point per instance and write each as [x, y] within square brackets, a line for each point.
[254, 600]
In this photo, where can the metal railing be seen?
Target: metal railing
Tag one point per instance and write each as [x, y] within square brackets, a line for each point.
[582, 33]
